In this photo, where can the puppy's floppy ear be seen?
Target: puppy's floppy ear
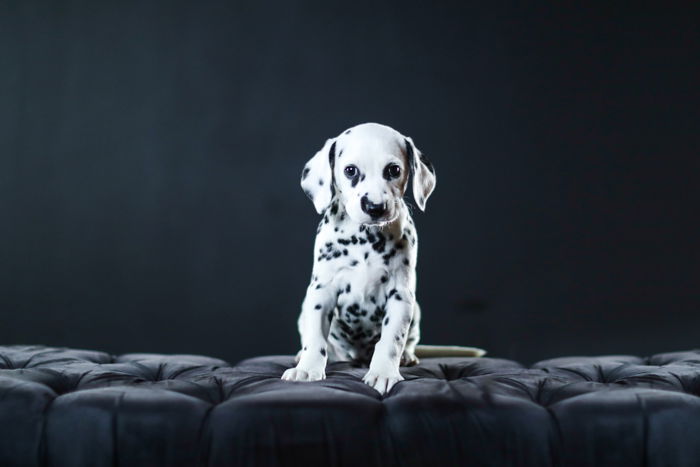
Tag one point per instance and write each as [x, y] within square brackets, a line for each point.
[422, 172]
[317, 176]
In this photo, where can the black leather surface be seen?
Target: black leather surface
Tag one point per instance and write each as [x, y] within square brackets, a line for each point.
[62, 407]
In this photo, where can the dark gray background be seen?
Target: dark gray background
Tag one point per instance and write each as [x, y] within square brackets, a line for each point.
[150, 155]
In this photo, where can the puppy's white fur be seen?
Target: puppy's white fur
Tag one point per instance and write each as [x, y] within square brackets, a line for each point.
[360, 304]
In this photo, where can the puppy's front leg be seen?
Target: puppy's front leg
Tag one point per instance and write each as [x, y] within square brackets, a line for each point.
[383, 371]
[312, 326]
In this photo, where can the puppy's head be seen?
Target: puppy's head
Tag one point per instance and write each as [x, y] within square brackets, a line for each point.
[368, 167]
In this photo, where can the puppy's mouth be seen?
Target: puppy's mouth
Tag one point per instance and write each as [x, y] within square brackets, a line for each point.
[381, 220]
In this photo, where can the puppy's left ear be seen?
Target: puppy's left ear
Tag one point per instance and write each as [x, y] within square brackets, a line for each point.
[317, 176]
[422, 172]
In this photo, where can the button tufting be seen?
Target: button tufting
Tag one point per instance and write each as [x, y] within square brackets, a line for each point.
[197, 410]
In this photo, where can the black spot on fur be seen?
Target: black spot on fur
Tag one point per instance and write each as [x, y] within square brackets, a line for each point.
[331, 156]
[378, 243]
[305, 173]
[378, 315]
[304, 348]
[347, 132]
[386, 321]
[411, 156]
[389, 255]
[331, 161]
[323, 352]
[318, 307]
[384, 279]
[354, 263]
[405, 261]
[344, 327]
[320, 182]
[427, 163]
[347, 289]
[397, 297]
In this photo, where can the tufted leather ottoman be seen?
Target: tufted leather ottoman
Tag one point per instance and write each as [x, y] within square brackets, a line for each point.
[63, 407]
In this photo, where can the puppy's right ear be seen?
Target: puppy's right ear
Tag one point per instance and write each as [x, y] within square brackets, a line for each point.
[317, 176]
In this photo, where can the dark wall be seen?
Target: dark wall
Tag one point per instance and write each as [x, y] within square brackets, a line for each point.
[150, 154]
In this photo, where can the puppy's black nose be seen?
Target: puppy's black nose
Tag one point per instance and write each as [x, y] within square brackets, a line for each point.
[374, 210]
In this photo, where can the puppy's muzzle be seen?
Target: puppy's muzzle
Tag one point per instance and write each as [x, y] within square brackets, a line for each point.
[375, 211]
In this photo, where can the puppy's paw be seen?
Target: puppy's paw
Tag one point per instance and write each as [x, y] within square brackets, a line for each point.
[304, 374]
[409, 359]
[382, 382]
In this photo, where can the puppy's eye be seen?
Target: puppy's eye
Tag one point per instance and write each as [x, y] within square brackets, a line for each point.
[351, 171]
[392, 171]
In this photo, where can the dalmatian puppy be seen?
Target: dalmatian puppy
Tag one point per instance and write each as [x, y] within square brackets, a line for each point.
[360, 304]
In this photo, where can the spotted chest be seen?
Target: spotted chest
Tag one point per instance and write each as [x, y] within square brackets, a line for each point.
[341, 244]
